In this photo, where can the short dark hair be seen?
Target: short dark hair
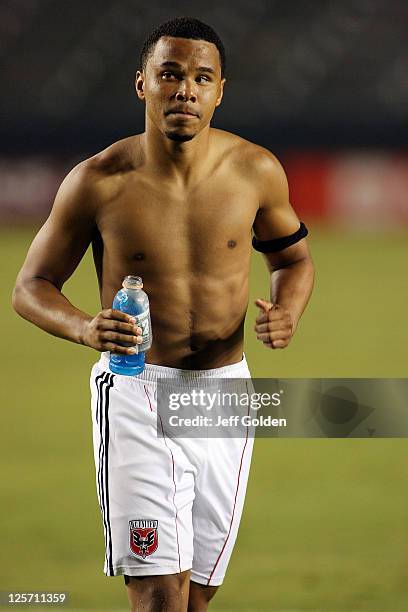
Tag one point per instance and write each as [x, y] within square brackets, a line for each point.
[183, 27]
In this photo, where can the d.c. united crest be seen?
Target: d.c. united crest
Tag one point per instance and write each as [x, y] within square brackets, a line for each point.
[144, 538]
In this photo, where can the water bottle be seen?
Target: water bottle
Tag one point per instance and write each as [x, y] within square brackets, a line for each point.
[134, 301]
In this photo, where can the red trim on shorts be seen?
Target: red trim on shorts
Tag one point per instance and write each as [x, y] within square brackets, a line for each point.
[233, 509]
[150, 404]
[175, 490]
[174, 480]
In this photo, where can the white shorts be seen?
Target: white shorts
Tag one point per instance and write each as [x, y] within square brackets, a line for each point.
[168, 505]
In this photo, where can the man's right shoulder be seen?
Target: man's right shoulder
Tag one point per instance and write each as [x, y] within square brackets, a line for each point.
[102, 173]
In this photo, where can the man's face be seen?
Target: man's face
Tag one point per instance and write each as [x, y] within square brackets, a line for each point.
[181, 86]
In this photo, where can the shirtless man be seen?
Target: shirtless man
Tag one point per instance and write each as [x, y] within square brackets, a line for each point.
[175, 205]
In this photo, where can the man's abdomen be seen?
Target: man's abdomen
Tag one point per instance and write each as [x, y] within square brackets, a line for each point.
[201, 326]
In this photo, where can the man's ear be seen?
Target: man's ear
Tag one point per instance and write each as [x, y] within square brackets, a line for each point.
[139, 84]
[218, 102]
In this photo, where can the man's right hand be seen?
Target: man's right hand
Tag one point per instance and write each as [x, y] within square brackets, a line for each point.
[109, 328]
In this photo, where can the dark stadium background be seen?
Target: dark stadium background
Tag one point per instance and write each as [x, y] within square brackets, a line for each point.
[322, 84]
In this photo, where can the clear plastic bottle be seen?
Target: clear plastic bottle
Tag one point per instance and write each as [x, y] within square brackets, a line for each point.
[134, 301]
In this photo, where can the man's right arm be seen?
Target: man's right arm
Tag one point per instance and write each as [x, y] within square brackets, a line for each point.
[55, 253]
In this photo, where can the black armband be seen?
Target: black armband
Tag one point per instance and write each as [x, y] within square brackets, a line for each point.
[278, 244]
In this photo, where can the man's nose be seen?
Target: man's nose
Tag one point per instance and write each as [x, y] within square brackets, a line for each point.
[186, 92]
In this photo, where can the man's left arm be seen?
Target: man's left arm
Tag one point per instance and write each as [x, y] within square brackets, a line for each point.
[279, 235]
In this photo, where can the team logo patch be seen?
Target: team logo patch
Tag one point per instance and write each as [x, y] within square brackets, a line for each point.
[144, 538]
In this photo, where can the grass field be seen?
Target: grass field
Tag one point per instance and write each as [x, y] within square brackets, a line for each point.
[325, 522]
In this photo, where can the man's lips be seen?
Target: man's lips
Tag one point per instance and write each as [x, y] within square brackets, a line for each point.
[181, 113]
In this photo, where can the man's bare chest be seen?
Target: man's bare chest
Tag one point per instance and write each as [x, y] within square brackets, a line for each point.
[216, 215]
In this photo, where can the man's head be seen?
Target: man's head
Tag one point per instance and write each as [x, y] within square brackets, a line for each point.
[182, 77]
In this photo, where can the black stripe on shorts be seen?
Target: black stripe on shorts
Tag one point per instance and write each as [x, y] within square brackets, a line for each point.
[104, 385]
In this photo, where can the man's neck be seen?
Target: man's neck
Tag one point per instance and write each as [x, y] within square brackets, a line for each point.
[182, 161]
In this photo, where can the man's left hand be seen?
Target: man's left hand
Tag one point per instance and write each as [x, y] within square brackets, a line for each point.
[274, 325]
